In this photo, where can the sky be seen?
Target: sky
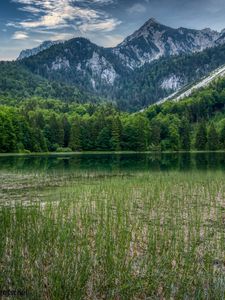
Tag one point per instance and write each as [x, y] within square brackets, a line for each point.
[25, 24]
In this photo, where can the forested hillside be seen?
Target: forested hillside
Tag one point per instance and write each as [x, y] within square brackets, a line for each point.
[17, 83]
[151, 83]
[38, 125]
[131, 90]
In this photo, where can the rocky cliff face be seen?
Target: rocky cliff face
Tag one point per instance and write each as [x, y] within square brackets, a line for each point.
[31, 52]
[154, 40]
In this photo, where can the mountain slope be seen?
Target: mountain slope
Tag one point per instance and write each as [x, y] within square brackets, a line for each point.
[77, 61]
[18, 83]
[31, 52]
[148, 66]
[149, 84]
[154, 40]
[188, 90]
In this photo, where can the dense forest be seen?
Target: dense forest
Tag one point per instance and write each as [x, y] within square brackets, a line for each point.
[18, 83]
[40, 125]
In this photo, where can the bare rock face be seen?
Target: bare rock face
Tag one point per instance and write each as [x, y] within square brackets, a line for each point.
[100, 67]
[60, 63]
[154, 40]
[172, 83]
[30, 52]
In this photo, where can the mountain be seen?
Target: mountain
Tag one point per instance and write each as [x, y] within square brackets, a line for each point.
[18, 83]
[31, 52]
[154, 40]
[77, 61]
[188, 90]
[151, 83]
[146, 67]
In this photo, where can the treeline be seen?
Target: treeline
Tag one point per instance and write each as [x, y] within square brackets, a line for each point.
[37, 125]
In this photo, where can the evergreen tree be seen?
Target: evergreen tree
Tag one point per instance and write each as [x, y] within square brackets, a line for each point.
[116, 134]
[174, 137]
[222, 137]
[103, 140]
[201, 137]
[54, 133]
[7, 135]
[185, 137]
[66, 129]
[213, 138]
[75, 136]
[155, 136]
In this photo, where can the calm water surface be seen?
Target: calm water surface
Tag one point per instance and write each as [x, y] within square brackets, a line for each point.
[114, 162]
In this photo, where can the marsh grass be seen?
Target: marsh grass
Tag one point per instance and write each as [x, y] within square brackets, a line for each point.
[157, 235]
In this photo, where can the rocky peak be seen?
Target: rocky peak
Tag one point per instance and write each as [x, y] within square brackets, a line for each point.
[151, 23]
[149, 28]
[43, 46]
[154, 40]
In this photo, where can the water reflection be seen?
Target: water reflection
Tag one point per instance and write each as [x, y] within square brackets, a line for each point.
[116, 162]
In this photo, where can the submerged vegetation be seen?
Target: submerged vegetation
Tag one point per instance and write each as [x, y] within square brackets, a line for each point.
[38, 125]
[113, 235]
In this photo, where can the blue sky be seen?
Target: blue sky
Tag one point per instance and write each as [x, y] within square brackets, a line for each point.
[26, 23]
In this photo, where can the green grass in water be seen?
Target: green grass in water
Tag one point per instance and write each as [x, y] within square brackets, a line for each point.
[156, 235]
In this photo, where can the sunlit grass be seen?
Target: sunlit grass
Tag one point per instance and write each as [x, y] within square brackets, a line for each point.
[156, 235]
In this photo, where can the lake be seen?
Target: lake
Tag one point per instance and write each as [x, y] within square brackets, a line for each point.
[113, 226]
[111, 162]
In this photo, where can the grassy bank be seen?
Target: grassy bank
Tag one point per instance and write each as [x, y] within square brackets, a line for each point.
[112, 235]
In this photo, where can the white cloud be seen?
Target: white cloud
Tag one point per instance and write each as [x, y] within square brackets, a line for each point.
[137, 9]
[20, 35]
[112, 40]
[55, 14]
[61, 36]
[104, 25]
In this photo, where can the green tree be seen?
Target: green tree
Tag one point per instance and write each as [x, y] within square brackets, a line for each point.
[7, 135]
[201, 137]
[66, 130]
[116, 134]
[103, 139]
[222, 137]
[75, 135]
[185, 137]
[213, 138]
[54, 132]
[155, 136]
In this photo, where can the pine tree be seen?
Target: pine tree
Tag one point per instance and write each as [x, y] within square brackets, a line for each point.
[66, 128]
[222, 137]
[75, 136]
[116, 134]
[54, 132]
[103, 140]
[213, 138]
[174, 137]
[155, 136]
[185, 139]
[201, 137]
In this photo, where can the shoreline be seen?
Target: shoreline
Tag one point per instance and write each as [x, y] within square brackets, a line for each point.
[106, 153]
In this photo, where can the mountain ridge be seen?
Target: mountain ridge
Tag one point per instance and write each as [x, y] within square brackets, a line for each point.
[34, 51]
[212, 37]
[153, 62]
